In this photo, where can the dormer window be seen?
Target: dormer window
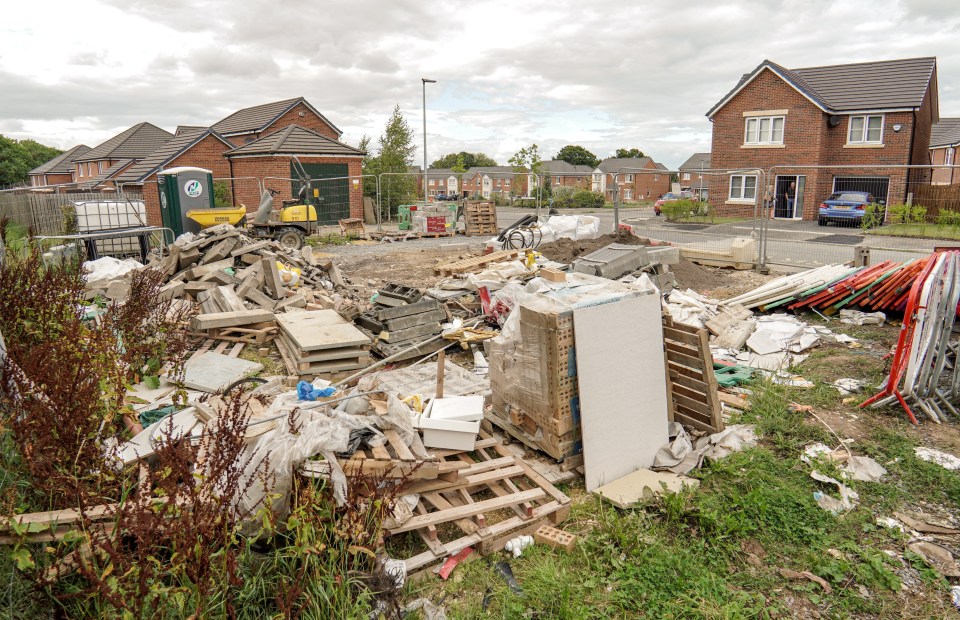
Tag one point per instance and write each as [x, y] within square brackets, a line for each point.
[866, 129]
[763, 130]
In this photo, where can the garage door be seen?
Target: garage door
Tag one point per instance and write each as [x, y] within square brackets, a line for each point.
[877, 186]
[331, 197]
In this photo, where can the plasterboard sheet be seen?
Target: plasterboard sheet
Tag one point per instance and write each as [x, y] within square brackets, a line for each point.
[622, 381]
[214, 372]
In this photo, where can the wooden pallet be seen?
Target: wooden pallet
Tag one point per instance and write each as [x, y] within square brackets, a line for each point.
[391, 460]
[219, 347]
[692, 384]
[259, 333]
[496, 497]
[474, 263]
[436, 235]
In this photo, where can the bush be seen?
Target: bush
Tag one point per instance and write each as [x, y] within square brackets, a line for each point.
[585, 199]
[947, 217]
[873, 215]
[907, 214]
[563, 197]
[676, 210]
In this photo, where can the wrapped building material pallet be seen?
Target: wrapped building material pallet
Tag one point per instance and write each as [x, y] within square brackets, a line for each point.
[534, 384]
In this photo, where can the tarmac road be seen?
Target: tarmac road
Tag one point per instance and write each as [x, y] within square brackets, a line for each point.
[799, 244]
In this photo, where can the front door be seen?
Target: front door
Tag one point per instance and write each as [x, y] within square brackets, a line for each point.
[788, 201]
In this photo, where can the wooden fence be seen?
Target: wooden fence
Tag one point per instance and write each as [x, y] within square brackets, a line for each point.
[936, 197]
[43, 214]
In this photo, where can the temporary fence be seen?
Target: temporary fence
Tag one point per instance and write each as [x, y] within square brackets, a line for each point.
[895, 213]
[45, 214]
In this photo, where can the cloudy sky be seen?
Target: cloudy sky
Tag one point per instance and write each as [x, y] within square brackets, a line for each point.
[591, 72]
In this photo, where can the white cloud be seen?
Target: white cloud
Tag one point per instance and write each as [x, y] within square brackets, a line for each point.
[603, 74]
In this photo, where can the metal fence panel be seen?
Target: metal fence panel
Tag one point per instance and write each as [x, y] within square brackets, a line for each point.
[44, 213]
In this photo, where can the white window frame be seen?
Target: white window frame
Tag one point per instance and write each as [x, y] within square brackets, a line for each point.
[433, 182]
[80, 169]
[738, 188]
[864, 132]
[949, 158]
[656, 177]
[433, 193]
[99, 167]
[686, 176]
[758, 137]
[628, 178]
[628, 194]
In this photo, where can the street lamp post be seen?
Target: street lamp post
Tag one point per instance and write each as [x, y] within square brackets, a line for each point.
[425, 81]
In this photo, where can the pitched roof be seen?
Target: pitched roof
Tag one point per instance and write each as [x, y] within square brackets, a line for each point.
[615, 164]
[661, 167]
[294, 140]
[881, 85]
[438, 172]
[134, 143]
[62, 163]
[945, 133]
[186, 138]
[559, 166]
[258, 118]
[696, 161]
[106, 175]
[491, 169]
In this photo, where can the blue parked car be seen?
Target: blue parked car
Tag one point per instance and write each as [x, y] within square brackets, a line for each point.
[844, 208]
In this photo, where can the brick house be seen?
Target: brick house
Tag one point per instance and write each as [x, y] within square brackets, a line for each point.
[866, 114]
[250, 124]
[271, 158]
[565, 174]
[192, 146]
[944, 140]
[484, 181]
[638, 178]
[441, 181]
[690, 177]
[97, 168]
[59, 170]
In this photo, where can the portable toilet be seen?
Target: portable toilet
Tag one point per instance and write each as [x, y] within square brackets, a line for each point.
[182, 189]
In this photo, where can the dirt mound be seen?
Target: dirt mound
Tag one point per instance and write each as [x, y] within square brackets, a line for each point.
[565, 250]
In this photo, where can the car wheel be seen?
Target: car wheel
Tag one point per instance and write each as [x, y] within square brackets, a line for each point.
[290, 239]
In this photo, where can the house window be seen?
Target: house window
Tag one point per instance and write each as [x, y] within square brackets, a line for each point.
[764, 130]
[743, 187]
[80, 169]
[656, 177]
[686, 176]
[90, 169]
[629, 178]
[433, 182]
[866, 129]
[508, 182]
[628, 194]
[99, 167]
[432, 192]
[949, 160]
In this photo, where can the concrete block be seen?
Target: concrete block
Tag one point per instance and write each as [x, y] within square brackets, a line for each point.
[665, 255]
[641, 485]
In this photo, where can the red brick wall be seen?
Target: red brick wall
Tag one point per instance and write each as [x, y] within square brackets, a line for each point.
[808, 140]
[208, 153]
[943, 176]
[309, 120]
[261, 167]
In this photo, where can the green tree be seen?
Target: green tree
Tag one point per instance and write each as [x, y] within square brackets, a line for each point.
[577, 155]
[395, 150]
[526, 159]
[630, 153]
[19, 157]
[469, 160]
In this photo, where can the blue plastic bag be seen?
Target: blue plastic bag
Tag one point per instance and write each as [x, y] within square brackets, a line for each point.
[306, 391]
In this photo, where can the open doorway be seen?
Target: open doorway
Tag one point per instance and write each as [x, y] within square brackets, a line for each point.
[788, 202]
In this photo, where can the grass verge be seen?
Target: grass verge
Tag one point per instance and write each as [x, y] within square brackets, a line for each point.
[923, 231]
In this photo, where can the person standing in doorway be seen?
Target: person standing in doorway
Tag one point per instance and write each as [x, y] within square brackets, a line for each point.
[791, 199]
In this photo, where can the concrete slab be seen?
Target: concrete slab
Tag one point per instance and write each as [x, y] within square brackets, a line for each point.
[213, 372]
[643, 485]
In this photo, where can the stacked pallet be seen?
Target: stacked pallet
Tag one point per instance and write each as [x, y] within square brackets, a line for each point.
[320, 343]
[534, 385]
[474, 263]
[480, 218]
